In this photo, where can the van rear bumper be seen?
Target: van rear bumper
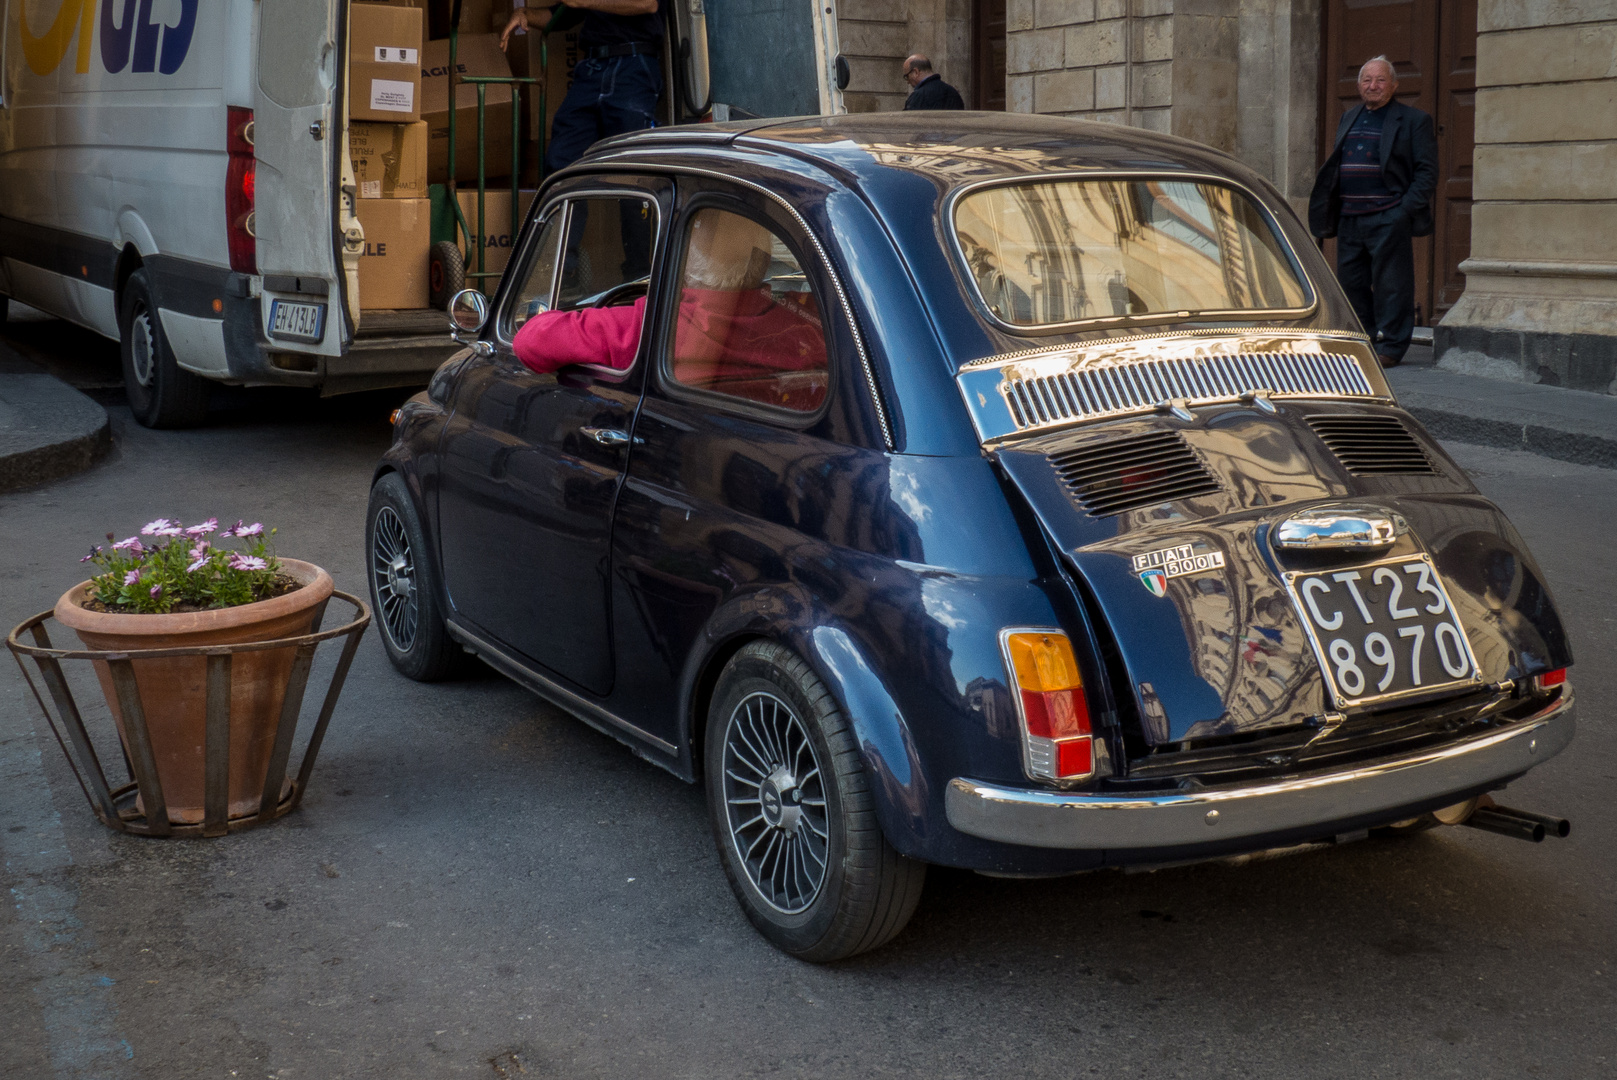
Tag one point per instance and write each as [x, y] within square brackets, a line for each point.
[1075, 821]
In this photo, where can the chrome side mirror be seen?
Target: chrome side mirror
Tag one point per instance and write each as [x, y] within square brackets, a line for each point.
[468, 311]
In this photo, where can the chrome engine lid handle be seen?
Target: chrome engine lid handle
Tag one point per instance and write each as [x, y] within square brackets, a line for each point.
[1353, 528]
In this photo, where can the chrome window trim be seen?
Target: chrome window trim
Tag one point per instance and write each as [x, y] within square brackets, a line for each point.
[963, 268]
[633, 160]
[1047, 818]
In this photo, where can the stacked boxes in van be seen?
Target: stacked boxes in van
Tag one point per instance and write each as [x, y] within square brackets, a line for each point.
[387, 142]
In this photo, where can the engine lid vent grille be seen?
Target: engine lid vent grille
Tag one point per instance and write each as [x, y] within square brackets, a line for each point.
[1372, 445]
[1125, 474]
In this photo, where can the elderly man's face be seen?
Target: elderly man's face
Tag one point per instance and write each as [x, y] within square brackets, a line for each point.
[911, 75]
[1377, 84]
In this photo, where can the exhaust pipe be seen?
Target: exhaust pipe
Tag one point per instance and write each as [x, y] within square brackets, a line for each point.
[1553, 826]
[1491, 820]
[1522, 824]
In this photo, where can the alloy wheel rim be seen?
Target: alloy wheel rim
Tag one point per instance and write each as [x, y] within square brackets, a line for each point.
[393, 579]
[775, 806]
[142, 347]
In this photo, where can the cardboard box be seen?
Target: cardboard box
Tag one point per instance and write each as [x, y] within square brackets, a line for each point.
[393, 270]
[478, 54]
[390, 160]
[497, 235]
[384, 63]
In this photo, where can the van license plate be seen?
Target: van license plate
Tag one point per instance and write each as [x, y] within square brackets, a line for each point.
[1383, 631]
[304, 322]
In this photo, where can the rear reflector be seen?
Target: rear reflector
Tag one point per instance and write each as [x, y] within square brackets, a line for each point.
[1055, 716]
[1549, 679]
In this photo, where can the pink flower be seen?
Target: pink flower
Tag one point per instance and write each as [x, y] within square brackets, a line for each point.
[199, 564]
[200, 550]
[157, 590]
[199, 531]
[131, 577]
[255, 529]
[247, 562]
[132, 545]
[93, 553]
[161, 527]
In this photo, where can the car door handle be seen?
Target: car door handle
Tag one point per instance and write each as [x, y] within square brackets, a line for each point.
[608, 436]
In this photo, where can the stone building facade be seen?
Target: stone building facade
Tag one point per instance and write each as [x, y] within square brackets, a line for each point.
[1533, 81]
[1540, 301]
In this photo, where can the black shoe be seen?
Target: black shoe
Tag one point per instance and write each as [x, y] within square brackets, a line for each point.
[1389, 361]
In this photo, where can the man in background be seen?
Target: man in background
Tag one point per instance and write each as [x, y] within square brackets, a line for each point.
[1374, 194]
[930, 91]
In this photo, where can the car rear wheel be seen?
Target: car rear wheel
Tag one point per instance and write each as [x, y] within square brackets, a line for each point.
[404, 590]
[793, 814]
[161, 393]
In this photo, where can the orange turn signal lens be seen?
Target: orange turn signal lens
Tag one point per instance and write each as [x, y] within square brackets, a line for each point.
[1043, 662]
[1055, 714]
[393, 417]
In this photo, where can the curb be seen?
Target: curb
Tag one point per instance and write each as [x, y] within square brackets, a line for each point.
[1575, 447]
[53, 431]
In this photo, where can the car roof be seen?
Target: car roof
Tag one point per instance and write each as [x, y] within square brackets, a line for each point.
[948, 147]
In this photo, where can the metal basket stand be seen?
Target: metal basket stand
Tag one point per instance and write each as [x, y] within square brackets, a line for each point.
[116, 807]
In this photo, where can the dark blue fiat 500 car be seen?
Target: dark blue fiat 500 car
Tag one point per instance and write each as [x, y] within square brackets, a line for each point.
[998, 492]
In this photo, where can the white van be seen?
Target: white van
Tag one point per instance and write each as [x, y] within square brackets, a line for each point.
[174, 174]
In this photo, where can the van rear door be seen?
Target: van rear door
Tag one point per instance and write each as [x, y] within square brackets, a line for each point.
[298, 140]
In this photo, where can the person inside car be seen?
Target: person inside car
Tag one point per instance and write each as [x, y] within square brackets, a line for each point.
[735, 323]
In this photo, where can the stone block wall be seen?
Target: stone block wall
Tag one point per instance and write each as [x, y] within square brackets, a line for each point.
[1239, 75]
[876, 36]
[1540, 303]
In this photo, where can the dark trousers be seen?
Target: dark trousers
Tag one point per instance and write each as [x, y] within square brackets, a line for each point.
[608, 97]
[1375, 262]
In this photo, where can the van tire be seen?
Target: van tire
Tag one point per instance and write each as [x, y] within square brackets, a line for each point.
[161, 393]
[446, 274]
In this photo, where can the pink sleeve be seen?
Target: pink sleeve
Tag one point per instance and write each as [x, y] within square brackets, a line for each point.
[554, 339]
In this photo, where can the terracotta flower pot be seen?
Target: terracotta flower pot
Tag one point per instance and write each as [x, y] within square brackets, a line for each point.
[173, 691]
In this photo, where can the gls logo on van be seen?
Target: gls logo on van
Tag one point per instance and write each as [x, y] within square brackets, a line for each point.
[129, 37]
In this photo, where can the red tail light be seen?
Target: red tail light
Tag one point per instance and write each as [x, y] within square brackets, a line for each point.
[240, 178]
[1549, 679]
[1055, 716]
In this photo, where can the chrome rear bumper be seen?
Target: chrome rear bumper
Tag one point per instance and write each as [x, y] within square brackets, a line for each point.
[1055, 819]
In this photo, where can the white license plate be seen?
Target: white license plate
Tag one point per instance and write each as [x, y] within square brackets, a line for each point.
[306, 322]
[1384, 630]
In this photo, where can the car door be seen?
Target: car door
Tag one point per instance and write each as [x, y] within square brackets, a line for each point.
[532, 463]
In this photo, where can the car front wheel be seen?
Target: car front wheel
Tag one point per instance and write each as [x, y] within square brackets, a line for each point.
[793, 814]
[404, 590]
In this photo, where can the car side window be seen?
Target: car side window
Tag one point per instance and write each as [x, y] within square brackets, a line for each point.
[535, 294]
[607, 256]
[748, 324]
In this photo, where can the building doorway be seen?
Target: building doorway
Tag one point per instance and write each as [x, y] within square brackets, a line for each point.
[1433, 45]
[988, 55]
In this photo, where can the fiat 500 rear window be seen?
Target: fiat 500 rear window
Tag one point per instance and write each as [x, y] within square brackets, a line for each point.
[1068, 251]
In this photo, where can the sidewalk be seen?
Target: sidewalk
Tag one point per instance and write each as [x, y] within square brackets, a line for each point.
[1569, 425]
[48, 430]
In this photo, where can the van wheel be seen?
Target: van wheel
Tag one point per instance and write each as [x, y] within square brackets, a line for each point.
[446, 274]
[161, 393]
[793, 814]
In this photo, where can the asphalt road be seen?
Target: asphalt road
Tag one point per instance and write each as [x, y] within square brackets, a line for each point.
[479, 886]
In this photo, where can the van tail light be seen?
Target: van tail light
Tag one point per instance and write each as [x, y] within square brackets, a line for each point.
[240, 221]
[1050, 699]
[1549, 679]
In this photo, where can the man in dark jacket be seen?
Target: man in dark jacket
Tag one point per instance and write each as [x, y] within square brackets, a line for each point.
[1374, 194]
[930, 92]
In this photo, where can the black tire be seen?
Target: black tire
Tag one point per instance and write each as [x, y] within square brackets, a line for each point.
[404, 587]
[5, 309]
[786, 788]
[446, 273]
[161, 393]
